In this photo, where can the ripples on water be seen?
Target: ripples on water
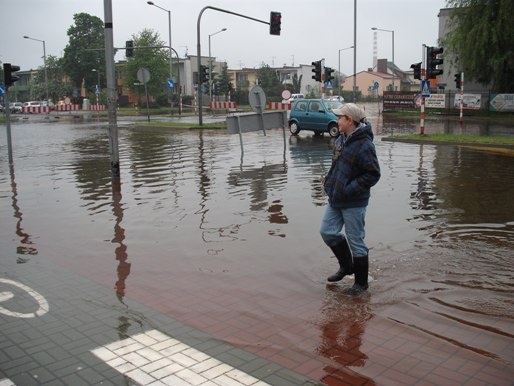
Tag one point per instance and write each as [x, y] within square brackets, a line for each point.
[440, 223]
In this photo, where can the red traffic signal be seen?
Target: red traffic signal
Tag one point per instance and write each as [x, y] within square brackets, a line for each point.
[328, 74]
[317, 71]
[416, 67]
[433, 61]
[204, 74]
[458, 81]
[129, 48]
[275, 20]
[9, 74]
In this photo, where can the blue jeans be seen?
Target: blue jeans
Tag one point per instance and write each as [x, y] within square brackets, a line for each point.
[352, 219]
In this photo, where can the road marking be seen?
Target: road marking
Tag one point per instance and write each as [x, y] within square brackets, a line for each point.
[6, 382]
[154, 358]
[7, 295]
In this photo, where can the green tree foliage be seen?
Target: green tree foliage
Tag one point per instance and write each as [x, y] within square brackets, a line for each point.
[297, 83]
[57, 88]
[79, 57]
[155, 60]
[482, 41]
[270, 83]
[224, 81]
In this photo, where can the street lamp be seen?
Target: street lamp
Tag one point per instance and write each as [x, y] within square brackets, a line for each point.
[392, 33]
[210, 62]
[169, 37]
[44, 62]
[339, 66]
[97, 91]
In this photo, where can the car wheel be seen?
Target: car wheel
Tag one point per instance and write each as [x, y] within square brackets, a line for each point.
[294, 128]
[333, 130]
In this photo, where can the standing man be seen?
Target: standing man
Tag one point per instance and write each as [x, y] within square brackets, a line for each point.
[354, 170]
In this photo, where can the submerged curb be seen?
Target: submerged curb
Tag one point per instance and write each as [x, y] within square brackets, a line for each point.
[452, 143]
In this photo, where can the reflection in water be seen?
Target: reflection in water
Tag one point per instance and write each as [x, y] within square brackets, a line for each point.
[26, 247]
[94, 179]
[120, 252]
[313, 156]
[342, 321]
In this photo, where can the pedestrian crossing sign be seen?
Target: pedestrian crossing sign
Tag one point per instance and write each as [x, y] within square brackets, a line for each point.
[425, 88]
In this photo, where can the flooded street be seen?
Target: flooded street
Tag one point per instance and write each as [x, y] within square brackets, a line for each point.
[230, 244]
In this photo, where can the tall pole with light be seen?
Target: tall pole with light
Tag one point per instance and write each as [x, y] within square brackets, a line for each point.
[392, 34]
[210, 62]
[169, 39]
[44, 62]
[339, 66]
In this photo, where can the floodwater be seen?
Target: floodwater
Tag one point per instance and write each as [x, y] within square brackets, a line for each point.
[195, 218]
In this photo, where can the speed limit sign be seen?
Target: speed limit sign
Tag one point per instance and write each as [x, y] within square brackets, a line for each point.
[286, 94]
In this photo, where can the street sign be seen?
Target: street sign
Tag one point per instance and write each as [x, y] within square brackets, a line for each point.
[375, 86]
[286, 94]
[425, 88]
[2, 91]
[97, 90]
[170, 84]
[143, 75]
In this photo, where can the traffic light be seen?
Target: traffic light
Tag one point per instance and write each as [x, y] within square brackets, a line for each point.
[317, 71]
[275, 19]
[9, 74]
[204, 74]
[328, 74]
[457, 81]
[433, 61]
[417, 70]
[129, 48]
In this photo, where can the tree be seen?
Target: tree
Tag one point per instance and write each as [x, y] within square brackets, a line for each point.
[224, 81]
[85, 50]
[270, 82]
[57, 88]
[297, 83]
[155, 60]
[481, 39]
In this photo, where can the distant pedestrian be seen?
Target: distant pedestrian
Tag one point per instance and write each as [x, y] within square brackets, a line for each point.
[354, 170]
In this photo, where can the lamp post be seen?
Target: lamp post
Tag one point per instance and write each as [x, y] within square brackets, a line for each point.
[392, 33]
[210, 62]
[44, 62]
[169, 37]
[339, 66]
[97, 91]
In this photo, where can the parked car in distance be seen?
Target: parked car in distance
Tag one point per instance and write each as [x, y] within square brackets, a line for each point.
[335, 98]
[293, 98]
[32, 104]
[48, 103]
[315, 115]
[15, 107]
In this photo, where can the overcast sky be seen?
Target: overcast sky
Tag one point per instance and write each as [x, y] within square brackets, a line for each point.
[311, 29]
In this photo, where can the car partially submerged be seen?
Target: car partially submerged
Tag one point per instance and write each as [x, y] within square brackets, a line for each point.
[315, 115]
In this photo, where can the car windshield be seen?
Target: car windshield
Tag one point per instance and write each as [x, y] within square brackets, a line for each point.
[332, 104]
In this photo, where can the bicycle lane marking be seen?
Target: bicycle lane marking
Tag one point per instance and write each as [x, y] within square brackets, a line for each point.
[5, 296]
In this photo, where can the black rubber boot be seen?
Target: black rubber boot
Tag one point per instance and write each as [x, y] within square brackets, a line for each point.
[360, 267]
[344, 257]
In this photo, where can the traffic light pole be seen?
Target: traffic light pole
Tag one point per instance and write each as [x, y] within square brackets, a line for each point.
[322, 78]
[423, 79]
[8, 125]
[461, 104]
[198, 49]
